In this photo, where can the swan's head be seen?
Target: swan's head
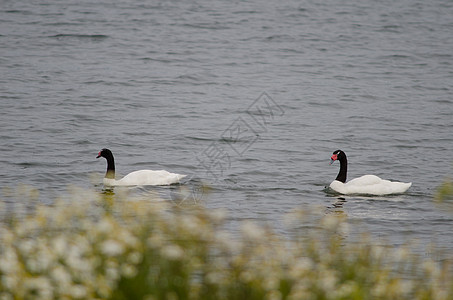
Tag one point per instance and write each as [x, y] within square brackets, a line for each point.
[104, 153]
[336, 155]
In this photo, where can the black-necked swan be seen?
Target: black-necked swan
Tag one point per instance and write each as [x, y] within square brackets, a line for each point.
[136, 178]
[367, 184]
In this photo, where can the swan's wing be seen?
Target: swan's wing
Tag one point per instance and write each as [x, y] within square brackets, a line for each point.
[150, 177]
[387, 187]
[373, 185]
[364, 180]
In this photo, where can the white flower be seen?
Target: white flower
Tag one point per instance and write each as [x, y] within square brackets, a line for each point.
[6, 236]
[155, 241]
[8, 261]
[328, 280]
[112, 273]
[190, 223]
[401, 254]
[172, 252]
[252, 231]
[405, 287]
[128, 270]
[59, 245]
[128, 239]
[226, 242]
[78, 291]
[112, 248]
[301, 266]
[61, 277]
[76, 261]
[135, 257]
[11, 281]
[44, 257]
[378, 252]
[105, 226]
[214, 277]
[26, 247]
[431, 268]
[331, 222]
[218, 215]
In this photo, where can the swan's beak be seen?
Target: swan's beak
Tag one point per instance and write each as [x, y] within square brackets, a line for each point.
[333, 158]
[99, 155]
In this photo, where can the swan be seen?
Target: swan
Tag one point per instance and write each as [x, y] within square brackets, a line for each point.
[367, 184]
[142, 177]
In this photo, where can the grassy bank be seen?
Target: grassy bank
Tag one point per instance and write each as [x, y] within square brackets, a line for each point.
[105, 246]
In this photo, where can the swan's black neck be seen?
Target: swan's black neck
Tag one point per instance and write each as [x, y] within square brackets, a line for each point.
[110, 174]
[343, 167]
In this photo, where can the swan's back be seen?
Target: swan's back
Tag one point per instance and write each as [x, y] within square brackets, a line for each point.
[370, 185]
[148, 177]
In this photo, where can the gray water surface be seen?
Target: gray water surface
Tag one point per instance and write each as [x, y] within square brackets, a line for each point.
[172, 85]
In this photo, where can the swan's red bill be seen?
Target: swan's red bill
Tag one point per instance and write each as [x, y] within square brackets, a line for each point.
[99, 154]
[333, 158]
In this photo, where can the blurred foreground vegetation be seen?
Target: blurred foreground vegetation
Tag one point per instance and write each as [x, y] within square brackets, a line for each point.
[106, 246]
[445, 192]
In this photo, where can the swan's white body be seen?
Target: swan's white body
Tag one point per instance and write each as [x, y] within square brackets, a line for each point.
[145, 177]
[370, 185]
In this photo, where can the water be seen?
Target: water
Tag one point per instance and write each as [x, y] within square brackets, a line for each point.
[167, 85]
